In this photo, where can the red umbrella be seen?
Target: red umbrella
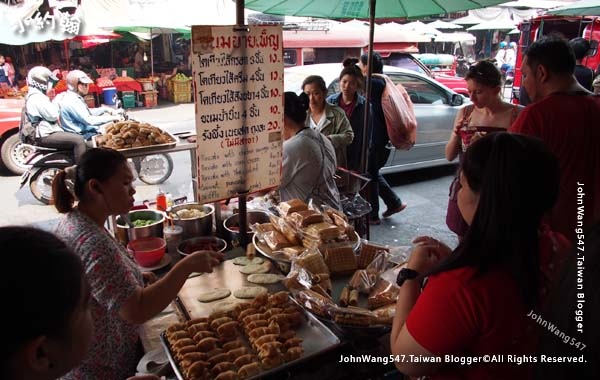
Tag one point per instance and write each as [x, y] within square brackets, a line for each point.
[95, 39]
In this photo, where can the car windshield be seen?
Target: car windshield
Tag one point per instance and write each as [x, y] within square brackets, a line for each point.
[403, 62]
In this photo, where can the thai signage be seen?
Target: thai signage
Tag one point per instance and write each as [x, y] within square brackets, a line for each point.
[238, 82]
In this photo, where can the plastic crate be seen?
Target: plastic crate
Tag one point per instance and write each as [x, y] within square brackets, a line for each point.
[150, 98]
[182, 85]
[128, 99]
[182, 97]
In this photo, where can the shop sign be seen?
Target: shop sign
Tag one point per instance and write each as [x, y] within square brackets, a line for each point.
[238, 75]
[31, 16]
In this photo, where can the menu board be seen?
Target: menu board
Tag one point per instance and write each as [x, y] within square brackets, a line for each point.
[238, 84]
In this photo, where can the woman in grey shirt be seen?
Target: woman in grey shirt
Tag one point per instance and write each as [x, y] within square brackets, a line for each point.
[309, 162]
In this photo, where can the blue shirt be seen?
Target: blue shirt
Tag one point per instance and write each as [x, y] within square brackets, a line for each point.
[77, 117]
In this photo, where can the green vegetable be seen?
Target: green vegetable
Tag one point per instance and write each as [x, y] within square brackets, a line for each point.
[143, 222]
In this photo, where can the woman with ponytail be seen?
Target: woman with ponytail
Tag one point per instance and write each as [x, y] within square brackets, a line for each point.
[102, 185]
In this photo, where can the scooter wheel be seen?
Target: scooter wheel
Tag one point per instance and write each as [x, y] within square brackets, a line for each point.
[154, 169]
[40, 184]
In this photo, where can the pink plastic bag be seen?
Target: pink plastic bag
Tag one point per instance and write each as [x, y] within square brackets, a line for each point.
[399, 114]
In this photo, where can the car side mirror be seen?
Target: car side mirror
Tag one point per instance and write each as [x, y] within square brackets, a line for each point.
[457, 100]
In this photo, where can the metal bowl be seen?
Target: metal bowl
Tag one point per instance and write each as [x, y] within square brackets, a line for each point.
[232, 224]
[201, 243]
[193, 227]
[155, 229]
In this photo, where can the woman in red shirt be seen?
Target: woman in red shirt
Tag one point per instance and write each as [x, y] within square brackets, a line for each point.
[478, 298]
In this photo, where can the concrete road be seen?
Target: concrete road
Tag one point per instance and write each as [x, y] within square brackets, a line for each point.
[425, 191]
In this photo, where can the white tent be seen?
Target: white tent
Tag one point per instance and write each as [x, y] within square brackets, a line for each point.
[494, 25]
[455, 37]
[439, 24]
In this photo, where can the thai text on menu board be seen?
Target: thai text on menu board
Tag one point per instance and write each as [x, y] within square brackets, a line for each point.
[238, 77]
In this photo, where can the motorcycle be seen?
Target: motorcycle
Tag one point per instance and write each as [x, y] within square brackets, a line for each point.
[44, 163]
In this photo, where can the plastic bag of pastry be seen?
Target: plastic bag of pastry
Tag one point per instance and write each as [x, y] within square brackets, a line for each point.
[312, 261]
[363, 281]
[260, 229]
[337, 217]
[323, 231]
[399, 255]
[287, 229]
[340, 260]
[293, 205]
[315, 302]
[385, 314]
[352, 316]
[379, 264]
[368, 251]
[384, 293]
[276, 240]
[305, 218]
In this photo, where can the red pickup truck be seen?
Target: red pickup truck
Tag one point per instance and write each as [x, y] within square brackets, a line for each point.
[410, 62]
[13, 153]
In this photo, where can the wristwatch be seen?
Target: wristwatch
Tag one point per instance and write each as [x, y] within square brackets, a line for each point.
[405, 274]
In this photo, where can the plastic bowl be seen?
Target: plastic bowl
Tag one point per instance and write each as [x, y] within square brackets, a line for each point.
[148, 251]
[202, 243]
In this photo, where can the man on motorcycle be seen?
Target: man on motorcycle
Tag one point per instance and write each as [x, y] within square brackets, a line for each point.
[38, 106]
[75, 115]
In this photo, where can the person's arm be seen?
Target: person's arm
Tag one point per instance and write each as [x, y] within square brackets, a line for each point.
[344, 134]
[147, 302]
[80, 113]
[45, 108]
[402, 343]
[288, 163]
[453, 144]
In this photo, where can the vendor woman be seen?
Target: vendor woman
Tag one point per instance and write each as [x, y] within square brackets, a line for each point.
[309, 162]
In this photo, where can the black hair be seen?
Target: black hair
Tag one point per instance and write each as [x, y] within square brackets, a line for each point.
[565, 299]
[377, 62]
[350, 68]
[315, 79]
[552, 52]
[97, 163]
[485, 73]
[517, 179]
[42, 286]
[295, 106]
[580, 47]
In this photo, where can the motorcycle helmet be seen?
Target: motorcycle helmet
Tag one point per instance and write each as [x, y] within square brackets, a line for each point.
[503, 44]
[41, 78]
[75, 77]
[513, 45]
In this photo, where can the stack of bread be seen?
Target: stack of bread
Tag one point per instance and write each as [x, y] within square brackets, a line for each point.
[300, 228]
[238, 342]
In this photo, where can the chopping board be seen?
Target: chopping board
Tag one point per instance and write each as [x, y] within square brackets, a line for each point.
[224, 275]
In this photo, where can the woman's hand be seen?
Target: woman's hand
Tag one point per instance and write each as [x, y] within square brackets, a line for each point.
[149, 278]
[427, 254]
[203, 261]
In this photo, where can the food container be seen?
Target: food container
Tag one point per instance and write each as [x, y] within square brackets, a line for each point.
[201, 243]
[155, 228]
[173, 238]
[147, 251]
[193, 227]
[232, 224]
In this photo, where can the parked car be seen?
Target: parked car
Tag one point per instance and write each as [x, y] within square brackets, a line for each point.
[13, 152]
[410, 62]
[435, 108]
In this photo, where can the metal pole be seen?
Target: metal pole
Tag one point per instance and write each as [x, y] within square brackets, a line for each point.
[151, 56]
[242, 195]
[366, 142]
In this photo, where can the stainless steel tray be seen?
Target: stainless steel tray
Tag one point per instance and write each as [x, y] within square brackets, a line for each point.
[145, 149]
[316, 337]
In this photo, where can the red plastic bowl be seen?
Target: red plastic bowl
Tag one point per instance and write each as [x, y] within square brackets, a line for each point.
[148, 251]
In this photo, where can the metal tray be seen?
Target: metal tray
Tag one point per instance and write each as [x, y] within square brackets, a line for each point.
[150, 149]
[316, 337]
